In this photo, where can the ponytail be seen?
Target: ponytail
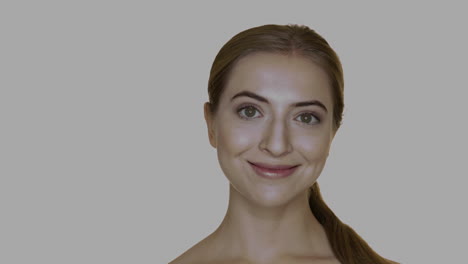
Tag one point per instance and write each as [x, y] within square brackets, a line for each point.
[347, 245]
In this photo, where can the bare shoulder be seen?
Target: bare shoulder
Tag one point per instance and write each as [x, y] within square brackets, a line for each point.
[194, 257]
[204, 252]
[200, 253]
[191, 256]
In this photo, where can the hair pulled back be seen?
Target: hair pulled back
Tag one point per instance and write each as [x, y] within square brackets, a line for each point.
[347, 245]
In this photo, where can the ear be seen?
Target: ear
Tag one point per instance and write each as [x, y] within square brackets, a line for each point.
[209, 118]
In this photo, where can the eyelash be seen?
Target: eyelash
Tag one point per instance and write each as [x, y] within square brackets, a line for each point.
[244, 106]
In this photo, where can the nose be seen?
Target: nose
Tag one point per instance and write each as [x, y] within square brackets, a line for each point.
[276, 139]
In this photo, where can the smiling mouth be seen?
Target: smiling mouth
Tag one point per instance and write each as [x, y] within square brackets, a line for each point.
[273, 171]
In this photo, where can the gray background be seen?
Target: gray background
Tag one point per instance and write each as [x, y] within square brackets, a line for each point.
[104, 156]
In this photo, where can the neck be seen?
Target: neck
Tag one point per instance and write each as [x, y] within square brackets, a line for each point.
[264, 233]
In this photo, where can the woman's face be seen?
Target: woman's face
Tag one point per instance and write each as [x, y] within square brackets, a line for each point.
[275, 110]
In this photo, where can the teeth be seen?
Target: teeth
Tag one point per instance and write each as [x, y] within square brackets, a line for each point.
[270, 174]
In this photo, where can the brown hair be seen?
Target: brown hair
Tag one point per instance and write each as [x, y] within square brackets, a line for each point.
[347, 245]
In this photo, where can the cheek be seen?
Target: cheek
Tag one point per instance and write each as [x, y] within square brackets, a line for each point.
[313, 147]
[314, 150]
[235, 139]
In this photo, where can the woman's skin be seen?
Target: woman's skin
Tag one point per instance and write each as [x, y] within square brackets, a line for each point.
[269, 220]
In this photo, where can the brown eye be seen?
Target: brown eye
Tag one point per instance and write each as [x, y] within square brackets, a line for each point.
[308, 118]
[248, 112]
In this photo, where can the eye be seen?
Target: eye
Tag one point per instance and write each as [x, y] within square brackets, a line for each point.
[308, 118]
[248, 112]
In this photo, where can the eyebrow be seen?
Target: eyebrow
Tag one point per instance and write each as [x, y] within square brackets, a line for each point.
[264, 100]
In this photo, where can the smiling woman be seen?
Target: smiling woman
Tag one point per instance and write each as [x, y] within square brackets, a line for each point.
[276, 103]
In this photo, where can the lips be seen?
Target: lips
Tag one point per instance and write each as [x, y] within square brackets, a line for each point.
[273, 171]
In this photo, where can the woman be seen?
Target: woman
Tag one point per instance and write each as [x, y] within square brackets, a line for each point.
[275, 104]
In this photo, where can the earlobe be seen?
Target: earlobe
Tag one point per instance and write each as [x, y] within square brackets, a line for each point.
[209, 124]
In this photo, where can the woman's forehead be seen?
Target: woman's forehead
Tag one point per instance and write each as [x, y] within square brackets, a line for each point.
[282, 78]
